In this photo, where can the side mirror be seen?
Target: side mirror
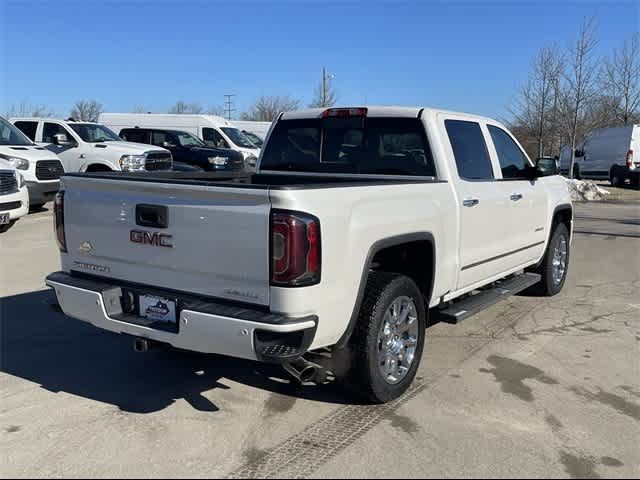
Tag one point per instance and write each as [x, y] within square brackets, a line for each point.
[547, 167]
[168, 145]
[579, 153]
[61, 140]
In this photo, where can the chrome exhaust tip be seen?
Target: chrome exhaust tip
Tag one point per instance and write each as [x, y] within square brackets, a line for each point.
[302, 370]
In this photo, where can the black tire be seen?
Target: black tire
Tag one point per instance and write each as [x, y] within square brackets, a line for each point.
[4, 228]
[547, 286]
[616, 177]
[635, 181]
[364, 377]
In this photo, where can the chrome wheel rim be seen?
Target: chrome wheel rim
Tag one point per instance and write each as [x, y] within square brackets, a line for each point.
[398, 340]
[559, 261]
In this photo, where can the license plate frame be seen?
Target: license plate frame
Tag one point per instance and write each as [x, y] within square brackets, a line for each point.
[158, 310]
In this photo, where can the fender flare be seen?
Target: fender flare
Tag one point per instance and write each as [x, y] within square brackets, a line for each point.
[373, 250]
[559, 208]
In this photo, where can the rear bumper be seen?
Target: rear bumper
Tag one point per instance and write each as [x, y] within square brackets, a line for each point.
[204, 326]
[42, 192]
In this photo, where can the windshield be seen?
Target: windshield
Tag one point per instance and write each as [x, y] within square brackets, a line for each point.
[238, 138]
[372, 146]
[92, 133]
[188, 140]
[255, 139]
[10, 135]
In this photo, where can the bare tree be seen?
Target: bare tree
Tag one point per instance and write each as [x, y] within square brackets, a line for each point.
[25, 109]
[265, 109]
[325, 94]
[140, 109]
[578, 87]
[534, 111]
[620, 80]
[182, 107]
[217, 110]
[86, 111]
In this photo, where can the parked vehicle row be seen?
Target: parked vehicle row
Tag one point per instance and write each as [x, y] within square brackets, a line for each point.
[92, 147]
[187, 149]
[214, 131]
[607, 154]
[356, 224]
[41, 150]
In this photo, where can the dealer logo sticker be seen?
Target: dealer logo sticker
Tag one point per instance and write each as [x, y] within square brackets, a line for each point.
[159, 310]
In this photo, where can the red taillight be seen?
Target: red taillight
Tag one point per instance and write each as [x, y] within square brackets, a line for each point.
[344, 112]
[630, 158]
[58, 221]
[295, 249]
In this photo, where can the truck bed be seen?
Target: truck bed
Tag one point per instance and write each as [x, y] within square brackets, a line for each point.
[260, 181]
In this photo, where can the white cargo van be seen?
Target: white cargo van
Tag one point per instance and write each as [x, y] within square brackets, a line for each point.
[257, 128]
[213, 130]
[607, 153]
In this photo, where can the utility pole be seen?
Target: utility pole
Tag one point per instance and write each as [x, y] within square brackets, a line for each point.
[229, 105]
[326, 85]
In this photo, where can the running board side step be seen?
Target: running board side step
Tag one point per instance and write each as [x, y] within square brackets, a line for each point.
[468, 306]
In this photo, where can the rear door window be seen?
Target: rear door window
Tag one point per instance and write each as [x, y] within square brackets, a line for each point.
[136, 136]
[386, 146]
[469, 149]
[28, 128]
[158, 138]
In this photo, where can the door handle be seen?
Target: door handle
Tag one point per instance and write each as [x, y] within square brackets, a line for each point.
[470, 202]
[516, 196]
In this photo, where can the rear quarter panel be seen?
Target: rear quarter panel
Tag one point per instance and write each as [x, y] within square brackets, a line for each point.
[352, 220]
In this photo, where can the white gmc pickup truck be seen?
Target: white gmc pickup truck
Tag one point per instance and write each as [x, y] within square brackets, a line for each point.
[358, 223]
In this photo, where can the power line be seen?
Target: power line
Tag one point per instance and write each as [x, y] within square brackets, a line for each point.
[229, 105]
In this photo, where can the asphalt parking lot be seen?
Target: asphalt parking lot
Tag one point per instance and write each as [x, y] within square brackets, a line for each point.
[530, 388]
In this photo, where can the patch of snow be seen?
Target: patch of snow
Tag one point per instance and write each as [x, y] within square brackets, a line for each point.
[584, 191]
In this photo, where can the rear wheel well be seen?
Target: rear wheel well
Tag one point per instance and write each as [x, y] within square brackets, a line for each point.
[413, 259]
[98, 167]
[562, 215]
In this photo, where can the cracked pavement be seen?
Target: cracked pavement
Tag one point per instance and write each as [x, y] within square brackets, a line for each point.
[532, 387]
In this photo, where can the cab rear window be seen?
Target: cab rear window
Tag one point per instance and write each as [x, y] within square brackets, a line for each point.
[372, 146]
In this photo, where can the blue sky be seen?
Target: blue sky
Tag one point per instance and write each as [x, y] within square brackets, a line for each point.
[468, 56]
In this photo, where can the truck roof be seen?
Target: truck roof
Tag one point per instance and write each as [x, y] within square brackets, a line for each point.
[381, 111]
[215, 119]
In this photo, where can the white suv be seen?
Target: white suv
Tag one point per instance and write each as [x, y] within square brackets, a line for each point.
[14, 197]
[91, 147]
[40, 168]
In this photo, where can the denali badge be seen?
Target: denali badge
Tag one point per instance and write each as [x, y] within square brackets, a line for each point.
[238, 293]
[151, 238]
[92, 267]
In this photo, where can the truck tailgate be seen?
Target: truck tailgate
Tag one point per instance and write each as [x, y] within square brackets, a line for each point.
[216, 242]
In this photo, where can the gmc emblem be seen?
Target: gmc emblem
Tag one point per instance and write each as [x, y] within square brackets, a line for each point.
[151, 238]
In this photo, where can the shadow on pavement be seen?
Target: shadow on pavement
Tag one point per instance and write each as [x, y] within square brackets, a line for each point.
[66, 355]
